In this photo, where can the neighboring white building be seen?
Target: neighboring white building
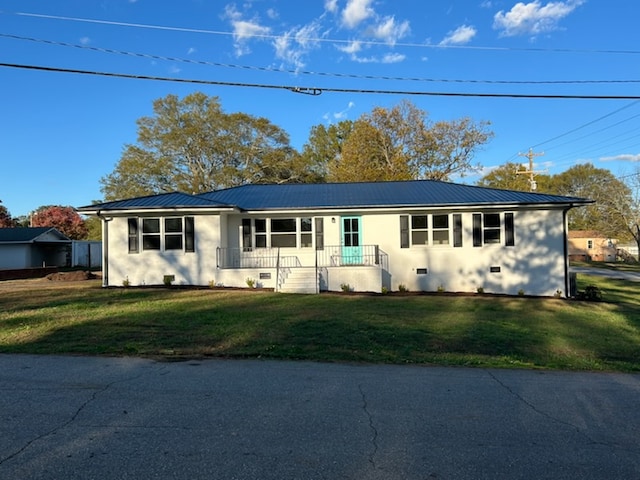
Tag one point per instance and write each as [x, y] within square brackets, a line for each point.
[420, 235]
[33, 247]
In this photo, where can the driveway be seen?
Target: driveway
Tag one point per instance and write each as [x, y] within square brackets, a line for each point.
[605, 272]
[126, 418]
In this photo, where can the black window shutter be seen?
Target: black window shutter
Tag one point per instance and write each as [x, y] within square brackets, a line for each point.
[477, 230]
[457, 230]
[319, 233]
[134, 242]
[404, 231]
[189, 235]
[509, 230]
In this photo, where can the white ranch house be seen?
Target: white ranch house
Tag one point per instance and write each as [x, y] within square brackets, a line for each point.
[420, 235]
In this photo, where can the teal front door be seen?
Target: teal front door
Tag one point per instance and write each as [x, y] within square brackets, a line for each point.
[351, 240]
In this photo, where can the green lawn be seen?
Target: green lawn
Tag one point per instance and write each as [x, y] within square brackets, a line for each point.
[82, 318]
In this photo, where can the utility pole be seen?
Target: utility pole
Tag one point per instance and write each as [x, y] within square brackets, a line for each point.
[531, 172]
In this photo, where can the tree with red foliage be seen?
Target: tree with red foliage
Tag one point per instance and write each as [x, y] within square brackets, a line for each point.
[65, 219]
[5, 218]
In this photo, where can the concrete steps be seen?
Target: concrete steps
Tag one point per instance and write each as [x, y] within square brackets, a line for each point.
[299, 280]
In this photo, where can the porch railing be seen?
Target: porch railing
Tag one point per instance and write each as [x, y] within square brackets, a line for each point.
[253, 258]
[329, 256]
[338, 256]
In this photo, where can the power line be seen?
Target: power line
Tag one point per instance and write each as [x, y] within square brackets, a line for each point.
[318, 90]
[319, 39]
[306, 72]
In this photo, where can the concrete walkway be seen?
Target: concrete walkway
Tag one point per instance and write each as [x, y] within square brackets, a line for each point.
[126, 418]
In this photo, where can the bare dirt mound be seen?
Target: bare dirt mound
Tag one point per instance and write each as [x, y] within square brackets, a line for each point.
[70, 276]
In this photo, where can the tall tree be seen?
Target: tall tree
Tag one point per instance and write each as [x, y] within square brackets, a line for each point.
[192, 145]
[65, 219]
[5, 218]
[325, 144]
[612, 199]
[631, 214]
[402, 143]
[505, 177]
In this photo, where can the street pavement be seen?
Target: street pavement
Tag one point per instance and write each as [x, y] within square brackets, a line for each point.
[605, 272]
[65, 417]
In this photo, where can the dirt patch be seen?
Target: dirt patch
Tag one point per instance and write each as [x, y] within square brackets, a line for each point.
[71, 276]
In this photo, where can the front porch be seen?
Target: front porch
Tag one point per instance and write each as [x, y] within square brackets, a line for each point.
[333, 268]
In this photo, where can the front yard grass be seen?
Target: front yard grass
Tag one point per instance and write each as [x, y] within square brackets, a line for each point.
[43, 317]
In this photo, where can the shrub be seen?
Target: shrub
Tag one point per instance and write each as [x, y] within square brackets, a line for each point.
[251, 283]
[480, 289]
[591, 293]
[402, 288]
[345, 287]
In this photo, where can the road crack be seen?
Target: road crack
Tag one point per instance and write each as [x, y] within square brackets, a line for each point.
[541, 412]
[372, 427]
[74, 416]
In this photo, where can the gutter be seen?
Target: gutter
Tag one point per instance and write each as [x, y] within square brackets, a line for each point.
[105, 248]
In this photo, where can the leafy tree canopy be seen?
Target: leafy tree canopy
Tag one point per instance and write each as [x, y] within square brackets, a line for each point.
[401, 143]
[192, 145]
[5, 217]
[65, 219]
[612, 197]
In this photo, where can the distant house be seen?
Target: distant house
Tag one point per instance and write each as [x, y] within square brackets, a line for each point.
[590, 245]
[416, 235]
[33, 247]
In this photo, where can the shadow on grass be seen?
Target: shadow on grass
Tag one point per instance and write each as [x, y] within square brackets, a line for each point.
[178, 323]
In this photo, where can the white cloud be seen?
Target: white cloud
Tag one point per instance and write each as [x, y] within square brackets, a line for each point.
[244, 30]
[393, 58]
[460, 36]
[390, 31]
[625, 157]
[356, 12]
[191, 51]
[331, 6]
[298, 42]
[533, 18]
[341, 115]
[85, 40]
[351, 48]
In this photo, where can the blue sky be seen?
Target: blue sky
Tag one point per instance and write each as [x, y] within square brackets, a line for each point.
[61, 132]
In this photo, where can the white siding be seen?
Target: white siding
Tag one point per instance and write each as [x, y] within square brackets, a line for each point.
[148, 267]
[534, 266]
[15, 256]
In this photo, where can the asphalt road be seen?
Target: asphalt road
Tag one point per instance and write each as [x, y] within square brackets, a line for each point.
[605, 272]
[126, 418]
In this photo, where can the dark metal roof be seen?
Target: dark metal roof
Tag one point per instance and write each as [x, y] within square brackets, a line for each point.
[164, 200]
[27, 234]
[417, 193]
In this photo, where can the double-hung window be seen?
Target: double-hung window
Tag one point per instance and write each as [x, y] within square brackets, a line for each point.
[488, 229]
[166, 234]
[282, 232]
[433, 229]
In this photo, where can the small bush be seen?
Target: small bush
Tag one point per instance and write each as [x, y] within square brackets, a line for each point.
[591, 293]
[402, 288]
[480, 289]
[345, 287]
[251, 283]
[126, 282]
[521, 292]
[441, 288]
[384, 290]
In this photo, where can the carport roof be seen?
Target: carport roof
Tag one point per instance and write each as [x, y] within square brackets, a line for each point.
[28, 234]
